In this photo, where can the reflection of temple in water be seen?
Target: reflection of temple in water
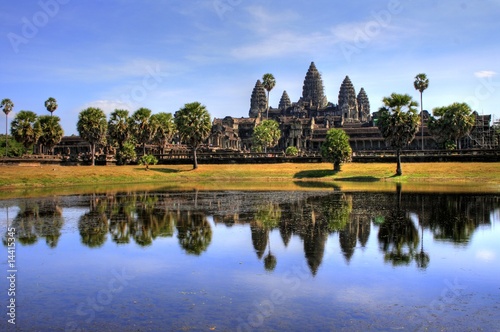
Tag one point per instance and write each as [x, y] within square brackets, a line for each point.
[397, 219]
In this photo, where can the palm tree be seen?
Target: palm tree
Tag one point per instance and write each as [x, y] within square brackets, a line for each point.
[194, 126]
[51, 131]
[268, 81]
[51, 105]
[6, 105]
[118, 127]
[421, 83]
[165, 129]
[398, 123]
[142, 128]
[92, 127]
[24, 128]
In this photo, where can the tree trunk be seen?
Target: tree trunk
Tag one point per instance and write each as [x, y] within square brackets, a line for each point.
[399, 172]
[92, 148]
[336, 166]
[195, 161]
[143, 149]
[422, 119]
[6, 137]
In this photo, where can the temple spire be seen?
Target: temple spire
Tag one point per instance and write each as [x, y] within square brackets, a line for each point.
[258, 101]
[348, 104]
[284, 101]
[312, 91]
[363, 106]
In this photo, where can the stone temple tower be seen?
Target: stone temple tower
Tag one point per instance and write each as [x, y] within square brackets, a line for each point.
[363, 106]
[258, 101]
[313, 94]
[284, 101]
[348, 103]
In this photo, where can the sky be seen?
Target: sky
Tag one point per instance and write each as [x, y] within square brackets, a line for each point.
[162, 54]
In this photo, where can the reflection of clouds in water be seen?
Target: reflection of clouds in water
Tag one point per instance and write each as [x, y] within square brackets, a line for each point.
[485, 255]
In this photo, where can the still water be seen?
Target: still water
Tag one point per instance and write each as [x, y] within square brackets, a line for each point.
[321, 260]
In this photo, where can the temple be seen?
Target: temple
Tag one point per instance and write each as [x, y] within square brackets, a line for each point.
[303, 123]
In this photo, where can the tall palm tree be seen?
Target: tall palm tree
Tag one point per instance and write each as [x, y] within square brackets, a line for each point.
[92, 127]
[118, 127]
[268, 81]
[194, 125]
[6, 105]
[398, 123]
[142, 128]
[421, 83]
[24, 129]
[51, 105]
[52, 131]
[165, 129]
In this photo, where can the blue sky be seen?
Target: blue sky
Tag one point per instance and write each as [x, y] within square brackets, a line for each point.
[163, 54]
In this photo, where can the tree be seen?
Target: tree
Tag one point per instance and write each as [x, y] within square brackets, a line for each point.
[266, 135]
[147, 160]
[25, 129]
[193, 125]
[421, 83]
[336, 148]
[454, 122]
[398, 123]
[52, 131]
[118, 127]
[51, 105]
[92, 127]
[142, 127]
[268, 81]
[126, 154]
[6, 105]
[165, 129]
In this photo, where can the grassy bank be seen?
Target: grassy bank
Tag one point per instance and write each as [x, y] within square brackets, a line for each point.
[23, 177]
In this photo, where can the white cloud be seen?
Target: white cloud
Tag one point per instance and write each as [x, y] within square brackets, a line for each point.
[108, 106]
[484, 73]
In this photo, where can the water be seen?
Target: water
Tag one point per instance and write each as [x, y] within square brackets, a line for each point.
[273, 261]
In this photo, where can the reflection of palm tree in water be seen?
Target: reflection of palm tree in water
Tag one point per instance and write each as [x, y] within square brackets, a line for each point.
[193, 231]
[39, 219]
[398, 236]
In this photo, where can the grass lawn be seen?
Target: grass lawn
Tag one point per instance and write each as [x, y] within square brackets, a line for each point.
[260, 175]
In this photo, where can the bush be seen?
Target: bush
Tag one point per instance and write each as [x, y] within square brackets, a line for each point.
[292, 151]
[126, 154]
[147, 160]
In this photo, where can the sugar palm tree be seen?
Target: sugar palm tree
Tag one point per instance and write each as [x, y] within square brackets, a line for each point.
[92, 127]
[24, 128]
[165, 129]
[51, 105]
[421, 83]
[142, 127]
[268, 81]
[6, 105]
[194, 126]
[398, 123]
[52, 131]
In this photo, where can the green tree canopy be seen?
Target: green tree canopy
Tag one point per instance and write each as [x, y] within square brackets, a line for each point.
[266, 135]
[398, 123]
[92, 127]
[51, 105]
[450, 123]
[25, 129]
[165, 128]
[193, 125]
[118, 127]
[336, 148]
[143, 129]
[52, 131]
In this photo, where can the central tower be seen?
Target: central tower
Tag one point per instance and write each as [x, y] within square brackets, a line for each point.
[313, 94]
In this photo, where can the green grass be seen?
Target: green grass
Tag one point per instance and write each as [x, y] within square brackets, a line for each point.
[359, 176]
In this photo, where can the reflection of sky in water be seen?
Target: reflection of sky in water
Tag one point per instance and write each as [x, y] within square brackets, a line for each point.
[227, 285]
